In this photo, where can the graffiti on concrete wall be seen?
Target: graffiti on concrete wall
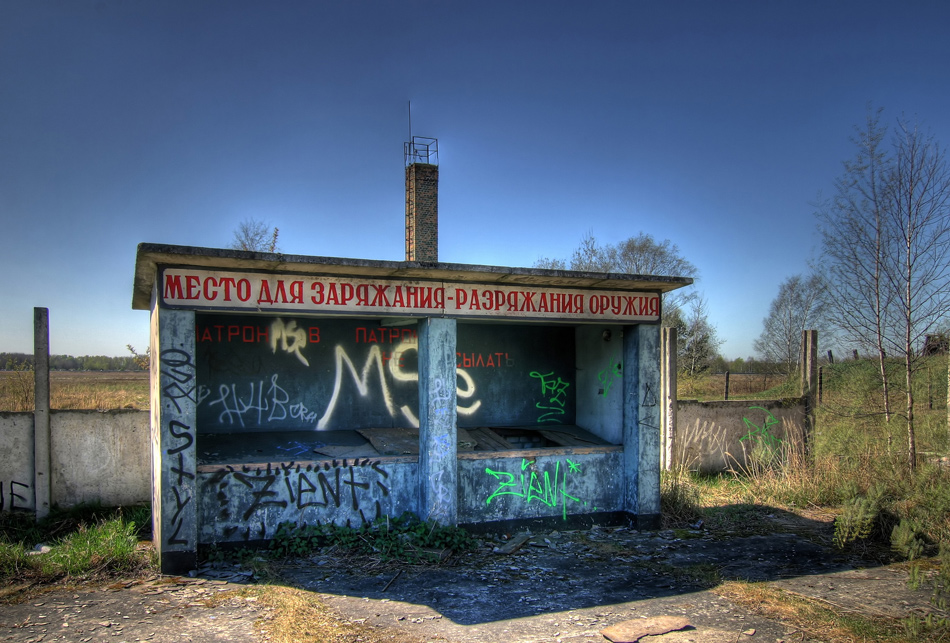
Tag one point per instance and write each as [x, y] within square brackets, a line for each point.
[249, 501]
[702, 439]
[610, 375]
[761, 434]
[554, 392]
[282, 373]
[15, 495]
[178, 386]
[548, 487]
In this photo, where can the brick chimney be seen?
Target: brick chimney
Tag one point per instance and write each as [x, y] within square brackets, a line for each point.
[422, 199]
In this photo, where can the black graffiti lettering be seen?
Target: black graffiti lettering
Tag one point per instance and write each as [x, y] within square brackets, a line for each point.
[186, 434]
[649, 395]
[180, 471]
[320, 486]
[176, 360]
[174, 539]
[175, 392]
[327, 488]
[310, 488]
[14, 496]
[290, 489]
[353, 484]
[177, 365]
[258, 495]
[180, 505]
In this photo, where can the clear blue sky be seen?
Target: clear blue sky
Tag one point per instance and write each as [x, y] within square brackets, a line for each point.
[713, 124]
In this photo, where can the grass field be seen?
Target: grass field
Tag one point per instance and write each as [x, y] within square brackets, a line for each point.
[97, 390]
[92, 390]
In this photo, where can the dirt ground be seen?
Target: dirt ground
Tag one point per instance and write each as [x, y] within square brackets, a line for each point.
[557, 586]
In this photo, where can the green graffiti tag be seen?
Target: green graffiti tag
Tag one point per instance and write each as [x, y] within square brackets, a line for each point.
[606, 377]
[762, 434]
[536, 487]
[555, 393]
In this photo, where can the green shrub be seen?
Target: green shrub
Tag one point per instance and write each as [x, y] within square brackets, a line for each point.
[856, 522]
[905, 540]
[406, 538]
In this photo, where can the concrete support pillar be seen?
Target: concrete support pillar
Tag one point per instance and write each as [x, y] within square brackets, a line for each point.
[41, 408]
[438, 437]
[668, 395]
[173, 402]
[641, 423]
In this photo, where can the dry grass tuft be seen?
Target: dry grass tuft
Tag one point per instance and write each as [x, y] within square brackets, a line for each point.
[297, 616]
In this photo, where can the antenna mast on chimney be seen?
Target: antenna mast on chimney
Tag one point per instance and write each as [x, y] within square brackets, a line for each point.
[422, 197]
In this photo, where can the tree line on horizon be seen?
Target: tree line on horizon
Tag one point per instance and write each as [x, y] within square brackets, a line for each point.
[24, 361]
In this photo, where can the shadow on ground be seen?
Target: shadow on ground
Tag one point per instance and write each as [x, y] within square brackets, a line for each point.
[563, 586]
[562, 571]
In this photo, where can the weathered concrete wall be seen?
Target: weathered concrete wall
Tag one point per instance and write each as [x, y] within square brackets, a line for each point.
[247, 504]
[95, 457]
[599, 375]
[716, 436]
[100, 457]
[493, 488]
[16, 461]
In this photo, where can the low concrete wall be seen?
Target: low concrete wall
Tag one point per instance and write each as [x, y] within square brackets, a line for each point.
[100, 457]
[16, 461]
[95, 457]
[712, 437]
[104, 457]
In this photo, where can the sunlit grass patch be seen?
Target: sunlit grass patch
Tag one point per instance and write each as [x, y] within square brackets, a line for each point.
[83, 542]
[823, 620]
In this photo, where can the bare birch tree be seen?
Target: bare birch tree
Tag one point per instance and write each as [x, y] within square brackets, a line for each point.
[255, 236]
[886, 250]
[919, 266]
[799, 306]
[854, 242]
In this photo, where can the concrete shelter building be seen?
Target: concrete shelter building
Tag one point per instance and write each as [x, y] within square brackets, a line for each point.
[314, 389]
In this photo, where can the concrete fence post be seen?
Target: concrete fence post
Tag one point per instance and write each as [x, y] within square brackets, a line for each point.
[809, 384]
[668, 395]
[41, 409]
